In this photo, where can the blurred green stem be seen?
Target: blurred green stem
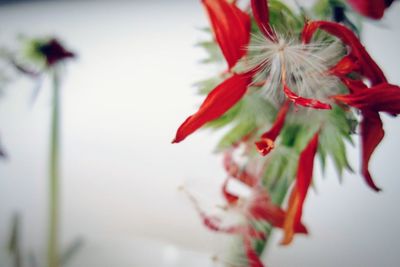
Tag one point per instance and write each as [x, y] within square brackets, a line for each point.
[54, 198]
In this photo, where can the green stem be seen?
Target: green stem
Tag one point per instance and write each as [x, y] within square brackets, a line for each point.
[54, 198]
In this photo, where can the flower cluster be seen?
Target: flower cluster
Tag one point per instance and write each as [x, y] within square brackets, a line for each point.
[316, 74]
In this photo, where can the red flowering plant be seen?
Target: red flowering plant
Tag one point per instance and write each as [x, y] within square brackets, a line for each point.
[293, 88]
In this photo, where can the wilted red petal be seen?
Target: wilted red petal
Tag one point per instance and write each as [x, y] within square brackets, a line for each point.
[381, 98]
[345, 66]
[261, 16]
[371, 135]
[229, 197]
[298, 195]
[267, 142]
[214, 224]
[262, 208]
[233, 169]
[231, 28]
[218, 101]
[368, 66]
[370, 8]
[264, 146]
[306, 102]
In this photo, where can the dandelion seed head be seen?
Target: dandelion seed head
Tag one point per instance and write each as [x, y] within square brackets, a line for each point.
[303, 67]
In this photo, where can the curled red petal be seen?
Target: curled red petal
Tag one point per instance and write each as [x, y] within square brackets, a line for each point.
[381, 98]
[229, 197]
[372, 134]
[261, 16]
[218, 101]
[231, 28]
[368, 66]
[264, 146]
[306, 102]
[299, 193]
[374, 9]
[267, 142]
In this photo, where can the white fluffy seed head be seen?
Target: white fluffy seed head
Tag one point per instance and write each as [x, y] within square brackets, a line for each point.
[304, 67]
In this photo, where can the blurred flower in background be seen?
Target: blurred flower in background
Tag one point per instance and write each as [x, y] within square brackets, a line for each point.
[371, 9]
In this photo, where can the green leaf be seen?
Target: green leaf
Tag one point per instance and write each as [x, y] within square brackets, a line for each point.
[213, 51]
[236, 134]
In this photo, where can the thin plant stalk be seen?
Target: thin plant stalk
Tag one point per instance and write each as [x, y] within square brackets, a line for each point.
[54, 178]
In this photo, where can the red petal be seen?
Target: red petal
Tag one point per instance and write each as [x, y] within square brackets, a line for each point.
[218, 101]
[345, 66]
[371, 135]
[266, 144]
[261, 16]
[384, 97]
[233, 169]
[368, 66]
[306, 102]
[229, 197]
[231, 28]
[298, 195]
[369, 8]
[354, 85]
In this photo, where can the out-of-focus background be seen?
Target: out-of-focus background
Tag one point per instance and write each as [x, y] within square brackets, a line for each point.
[123, 99]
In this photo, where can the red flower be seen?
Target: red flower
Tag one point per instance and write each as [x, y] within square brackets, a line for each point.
[380, 97]
[231, 28]
[358, 56]
[267, 142]
[50, 51]
[374, 9]
[54, 52]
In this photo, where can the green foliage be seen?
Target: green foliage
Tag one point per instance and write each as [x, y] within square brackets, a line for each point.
[213, 51]
[281, 167]
[283, 18]
[249, 115]
[338, 127]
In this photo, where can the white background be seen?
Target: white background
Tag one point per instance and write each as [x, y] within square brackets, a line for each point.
[123, 99]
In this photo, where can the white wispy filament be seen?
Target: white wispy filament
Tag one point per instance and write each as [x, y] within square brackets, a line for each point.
[303, 67]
